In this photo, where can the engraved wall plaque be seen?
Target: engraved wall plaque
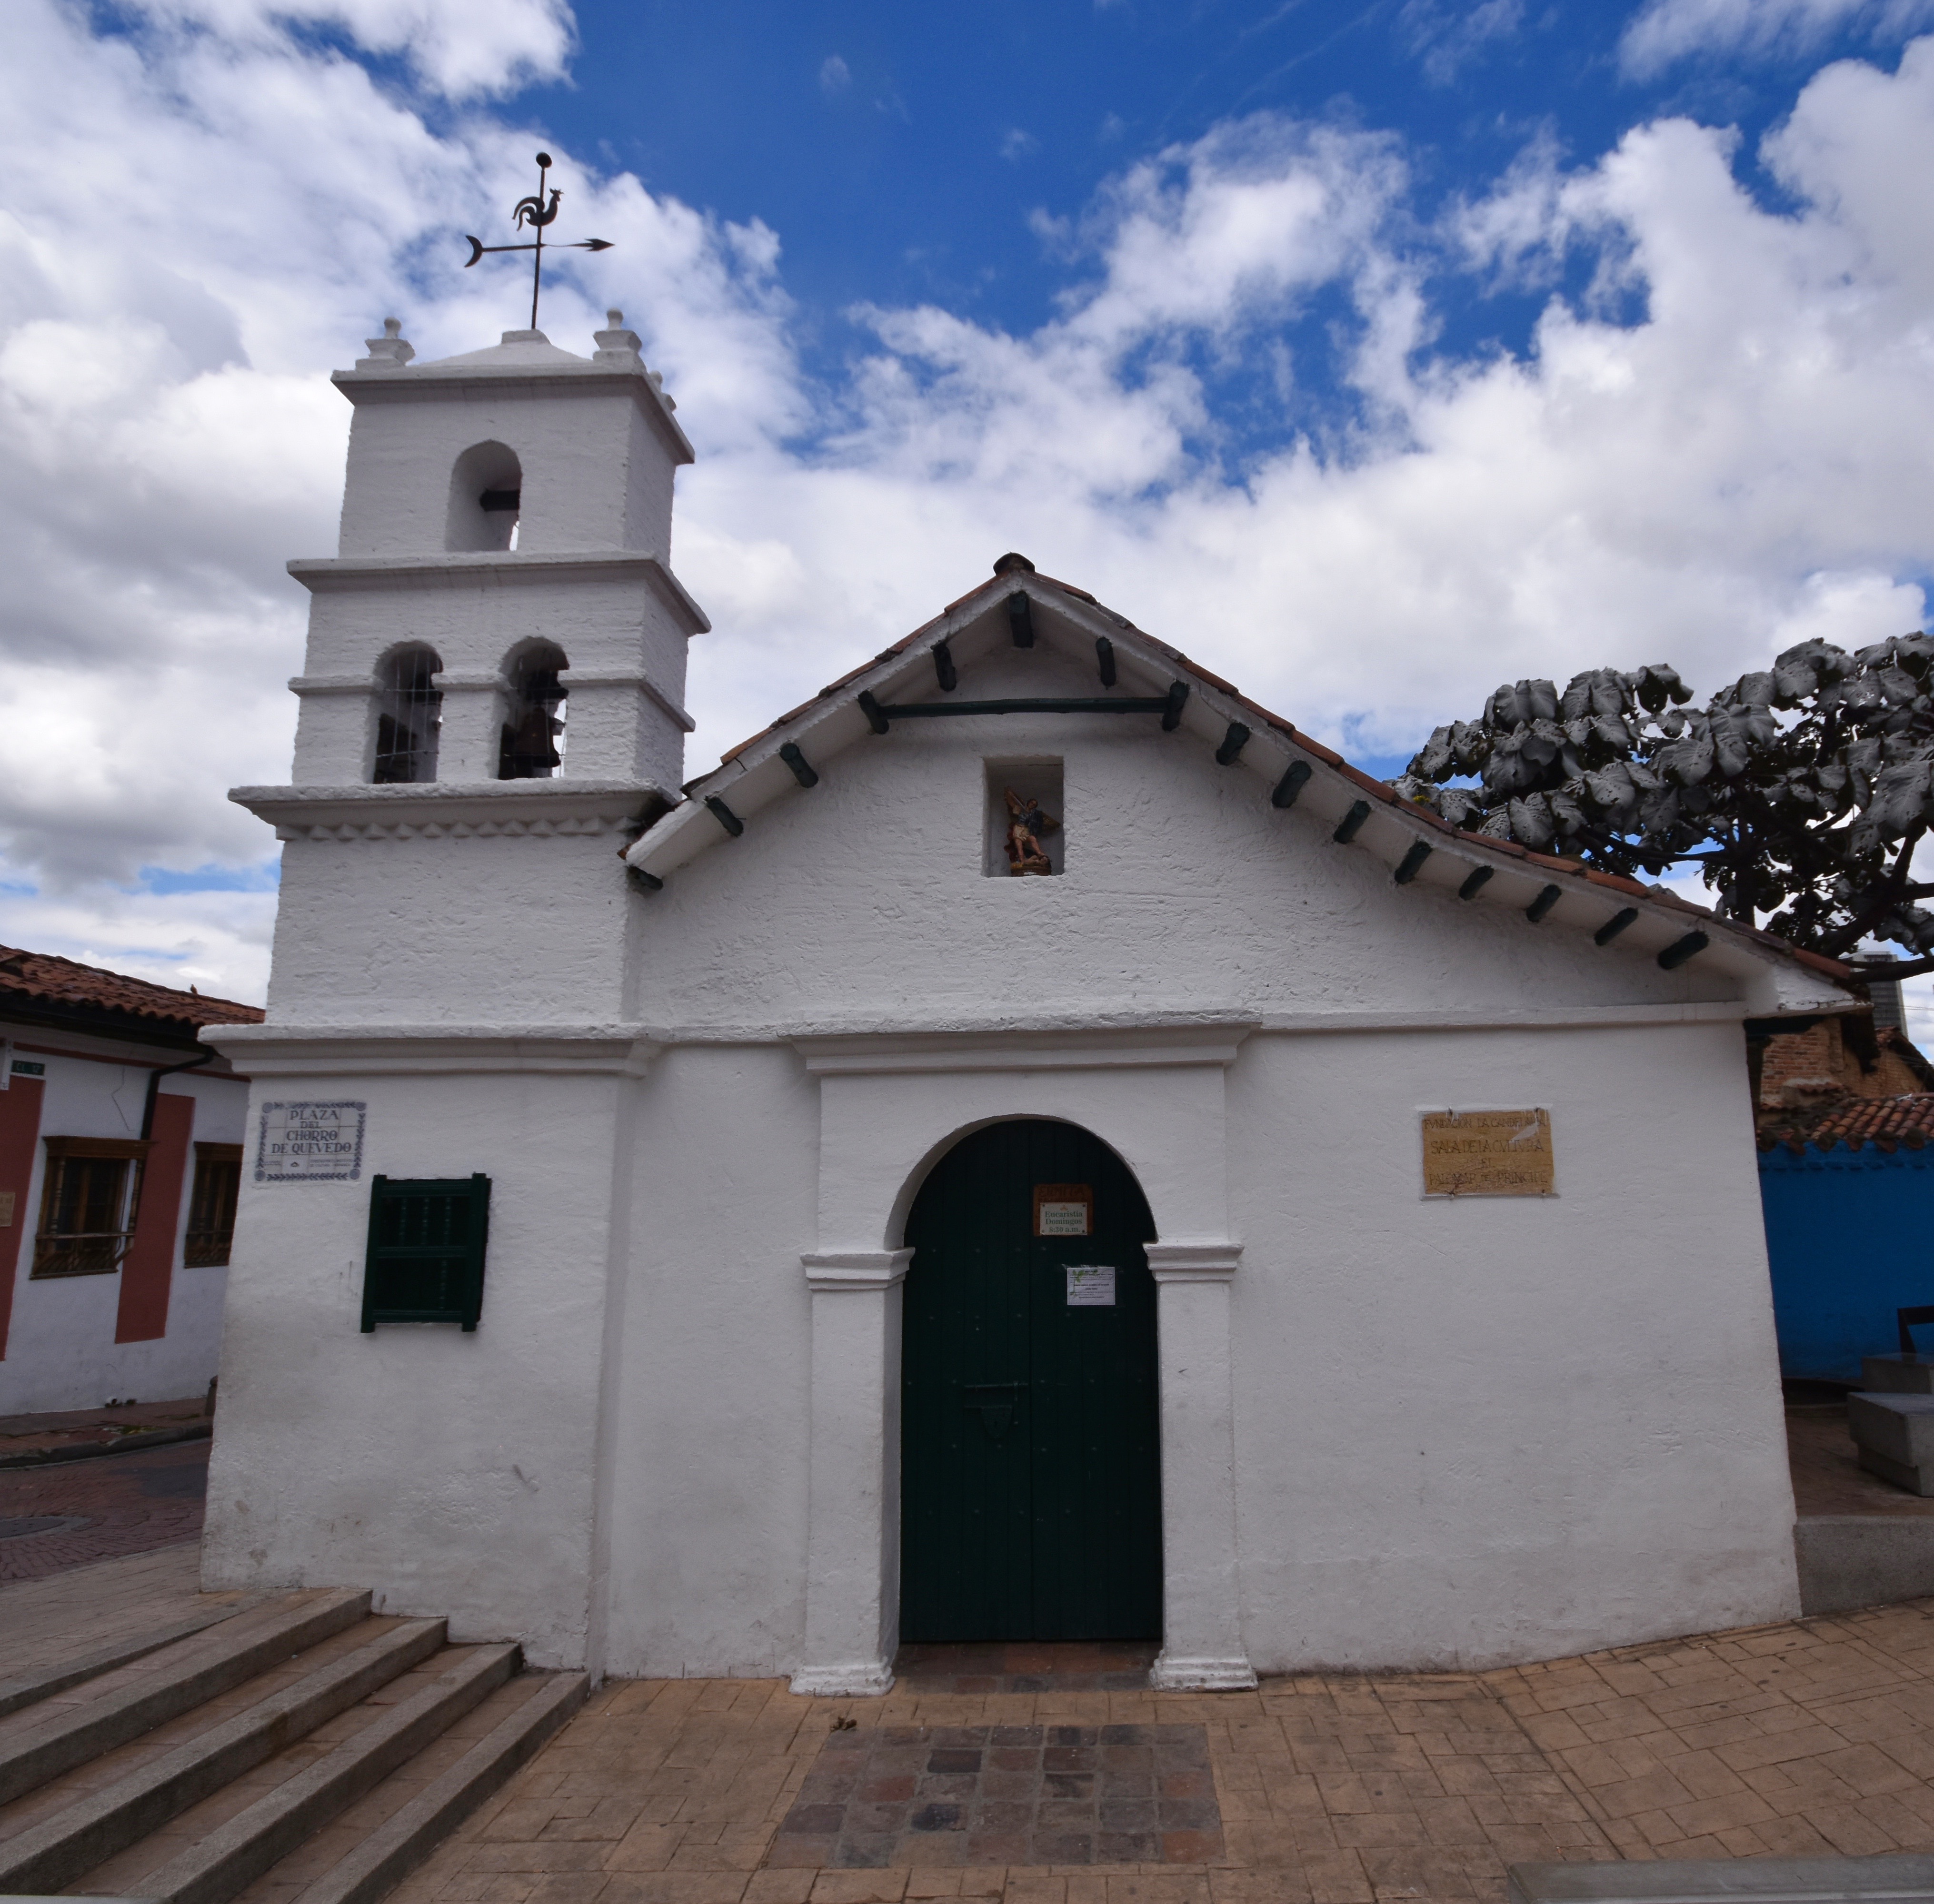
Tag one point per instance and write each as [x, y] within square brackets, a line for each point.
[1488, 1153]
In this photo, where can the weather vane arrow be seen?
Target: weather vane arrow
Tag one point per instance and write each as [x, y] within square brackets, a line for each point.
[533, 212]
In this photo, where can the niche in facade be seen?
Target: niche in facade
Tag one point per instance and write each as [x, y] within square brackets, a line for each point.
[1023, 828]
[409, 715]
[486, 492]
[532, 744]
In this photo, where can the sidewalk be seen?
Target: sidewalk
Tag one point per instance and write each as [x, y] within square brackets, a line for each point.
[1809, 1739]
[96, 1427]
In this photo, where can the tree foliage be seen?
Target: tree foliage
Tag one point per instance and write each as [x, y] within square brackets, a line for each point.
[1801, 790]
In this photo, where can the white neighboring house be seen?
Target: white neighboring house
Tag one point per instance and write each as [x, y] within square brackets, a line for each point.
[120, 1150]
[800, 1235]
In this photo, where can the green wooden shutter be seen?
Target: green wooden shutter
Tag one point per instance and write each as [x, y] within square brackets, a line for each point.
[426, 1241]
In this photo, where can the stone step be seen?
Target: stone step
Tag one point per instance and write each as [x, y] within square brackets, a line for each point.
[1898, 1879]
[225, 1861]
[30, 1688]
[37, 1744]
[56, 1850]
[388, 1853]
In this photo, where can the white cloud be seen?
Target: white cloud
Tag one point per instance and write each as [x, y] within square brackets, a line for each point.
[479, 47]
[835, 75]
[1665, 31]
[1016, 144]
[1722, 449]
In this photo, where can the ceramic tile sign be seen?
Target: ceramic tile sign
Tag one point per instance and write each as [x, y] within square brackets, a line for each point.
[1487, 1154]
[1064, 1209]
[310, 1143]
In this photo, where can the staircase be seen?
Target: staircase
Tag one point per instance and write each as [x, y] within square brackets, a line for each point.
[299, 1750]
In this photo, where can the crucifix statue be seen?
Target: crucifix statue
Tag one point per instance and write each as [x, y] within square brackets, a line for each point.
[533, 212]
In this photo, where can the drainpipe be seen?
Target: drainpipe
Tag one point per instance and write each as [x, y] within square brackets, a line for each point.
[155, 1086]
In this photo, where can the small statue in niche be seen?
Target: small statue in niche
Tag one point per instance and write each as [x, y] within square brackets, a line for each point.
[1026, 823]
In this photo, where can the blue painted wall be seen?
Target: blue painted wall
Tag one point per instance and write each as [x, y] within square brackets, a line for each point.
[1850, 1239]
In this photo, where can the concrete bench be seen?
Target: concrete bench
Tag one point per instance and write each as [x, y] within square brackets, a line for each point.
[1895, 1434]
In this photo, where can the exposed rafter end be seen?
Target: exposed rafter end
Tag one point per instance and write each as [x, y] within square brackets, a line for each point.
[876, 716]
[1233, 743]
[1412, 862]
[1547, 897]
[802, 768]
[1613, 926]
[1346, 827]
[724, 814]
[1104, 658]
[1294, 780]
[943, 667]
[1178, 699]
[1680, 950]
[1021, 618]
[1475, 881]
[638, 880]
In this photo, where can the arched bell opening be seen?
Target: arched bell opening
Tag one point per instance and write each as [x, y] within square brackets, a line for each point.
[531, 746]
[486, 497]
[408, 717]
[1030, 1465]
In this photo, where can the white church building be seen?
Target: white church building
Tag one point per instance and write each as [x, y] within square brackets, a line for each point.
[1031, 1147]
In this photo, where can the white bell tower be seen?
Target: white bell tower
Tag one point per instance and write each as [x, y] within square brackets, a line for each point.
[493, 695]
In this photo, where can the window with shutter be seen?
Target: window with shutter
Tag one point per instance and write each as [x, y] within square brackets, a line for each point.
[211, 1208]
[426, 1243]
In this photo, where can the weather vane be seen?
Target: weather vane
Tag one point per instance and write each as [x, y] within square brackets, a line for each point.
[533, 211]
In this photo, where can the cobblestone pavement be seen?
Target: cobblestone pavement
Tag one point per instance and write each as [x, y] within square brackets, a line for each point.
[69, 1514]
[1811, 1738]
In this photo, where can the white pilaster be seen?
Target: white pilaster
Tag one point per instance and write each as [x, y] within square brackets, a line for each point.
[852, 1594]
[1202, 1644]
[473, 720]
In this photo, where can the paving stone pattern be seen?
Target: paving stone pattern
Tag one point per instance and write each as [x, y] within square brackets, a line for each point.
[1803, 1739]
[106, 1506]
[1005, 1794]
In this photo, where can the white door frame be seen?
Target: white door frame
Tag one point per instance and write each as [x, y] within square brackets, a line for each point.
[889, 1107]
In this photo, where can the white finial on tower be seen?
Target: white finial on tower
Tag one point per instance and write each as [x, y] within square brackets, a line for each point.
[390, 351]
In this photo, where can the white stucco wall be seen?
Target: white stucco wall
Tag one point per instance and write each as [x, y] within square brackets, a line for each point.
[60, 1351]
[1463, 1433]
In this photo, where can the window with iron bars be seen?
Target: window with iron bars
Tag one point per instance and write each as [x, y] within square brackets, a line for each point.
[88, 1199]
[211, 1205]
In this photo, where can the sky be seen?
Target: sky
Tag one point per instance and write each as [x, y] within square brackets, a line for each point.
[1373, 354]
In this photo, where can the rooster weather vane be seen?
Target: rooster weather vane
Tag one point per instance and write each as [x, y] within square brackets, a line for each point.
[533, 212]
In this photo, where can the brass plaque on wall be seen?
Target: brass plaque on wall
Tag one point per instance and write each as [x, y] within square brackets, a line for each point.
[1487, 1154]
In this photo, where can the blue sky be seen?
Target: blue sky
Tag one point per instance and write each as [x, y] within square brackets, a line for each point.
[1373, 353]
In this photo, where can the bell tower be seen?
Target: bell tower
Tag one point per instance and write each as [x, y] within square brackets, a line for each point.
[496, 655]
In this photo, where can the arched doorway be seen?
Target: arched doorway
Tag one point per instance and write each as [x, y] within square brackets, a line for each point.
[1030, 1471]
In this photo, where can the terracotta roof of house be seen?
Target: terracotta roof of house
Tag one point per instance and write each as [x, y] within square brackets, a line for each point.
[1887, 1122]
[38, 986]
[1011, 572]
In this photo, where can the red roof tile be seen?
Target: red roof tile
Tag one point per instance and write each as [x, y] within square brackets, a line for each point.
[1885, 1122]
[37, 985]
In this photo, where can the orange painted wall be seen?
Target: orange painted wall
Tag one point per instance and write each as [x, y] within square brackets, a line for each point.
[148, 1272]
[19, 1129]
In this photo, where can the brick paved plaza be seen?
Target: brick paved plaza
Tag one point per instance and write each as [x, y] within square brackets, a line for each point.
[1046, 1775]
[1813, 1738]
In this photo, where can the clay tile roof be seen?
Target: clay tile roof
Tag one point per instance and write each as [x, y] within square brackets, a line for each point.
[38, 985]
[1885, 1122]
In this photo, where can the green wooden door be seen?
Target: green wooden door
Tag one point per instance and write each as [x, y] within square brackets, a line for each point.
[1030, 1477]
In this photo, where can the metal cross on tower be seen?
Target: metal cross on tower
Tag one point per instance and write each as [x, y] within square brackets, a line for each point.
[533, 212]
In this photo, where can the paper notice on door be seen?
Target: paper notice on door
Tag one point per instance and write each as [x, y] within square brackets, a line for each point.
[1091, 1285]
